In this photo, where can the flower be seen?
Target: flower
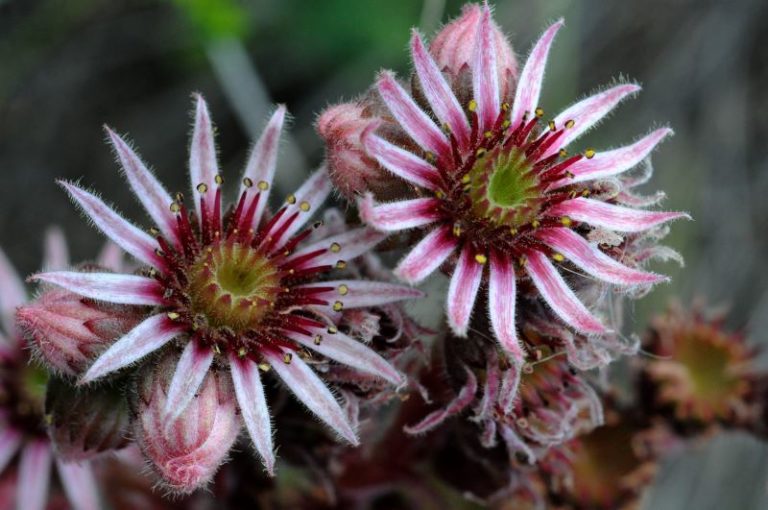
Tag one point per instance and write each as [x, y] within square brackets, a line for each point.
[498, 198]
[22, 394]
[233, 288]
[703, 372]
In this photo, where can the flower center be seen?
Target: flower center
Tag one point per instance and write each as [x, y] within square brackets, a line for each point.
[22, 394]
[504, 188]
[233, 285]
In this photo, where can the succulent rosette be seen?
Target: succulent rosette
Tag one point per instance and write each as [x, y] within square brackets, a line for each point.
[25, 448]
[498, 200]
[232, 290]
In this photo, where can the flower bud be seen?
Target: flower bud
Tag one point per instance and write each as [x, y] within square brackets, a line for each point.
[187, 451]
[453, 50]
[350, 168]
[86, 421]
[69, 331]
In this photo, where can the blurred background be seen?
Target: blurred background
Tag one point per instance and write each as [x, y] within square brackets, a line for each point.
[67, 67]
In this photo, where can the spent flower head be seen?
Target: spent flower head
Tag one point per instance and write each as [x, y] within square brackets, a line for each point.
[233, 288]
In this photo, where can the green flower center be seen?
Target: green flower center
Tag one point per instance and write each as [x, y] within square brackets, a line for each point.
[233, 286]
[504, 189]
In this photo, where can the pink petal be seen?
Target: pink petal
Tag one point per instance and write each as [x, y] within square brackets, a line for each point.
[127, 236]
[147, 337]
[253, 407]
[80, 485]
[312, 193]
[312, 392]
[400, 162]
[113, 288]
[111, 257]
[588, 112]
[12, 295]
[411, 118]
[190, 371]
[465, 397]
[10, 441]
[364, 294]
[462, 291]
[56, 254]
[352, 244]
[427, 256]
[592, 260]
[263, 161]
[485, 76]
[614, 217]
[146, 187]
[34, 476]
[613, 162]
[559, 296]
[529, 84]
[438, 92]
[502, 294]
[348, 351]
[203, 167]
[400, 215]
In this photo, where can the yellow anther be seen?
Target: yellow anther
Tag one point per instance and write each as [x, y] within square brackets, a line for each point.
[558, 257]
[173, 315]
[318, 339]
[263, 185]
[589, 153]
[216, 349]
[179, 196]
[338, 306]
[480, 152]
[343, 289]
[332, 330]
[457, 230]
[566, 221]
[439, 194]
[505, 106]
[304, 206]
[202, 187]
[242, 352]
[481, 259]
[446, 129]
[539, 112]
[430, 157]
[522, 261]
[472, 106]
[152, 272]
[335, 247]
[585, 193]
[341, 264]
[247, 182]
[551, 125]
[175, 207]
[287, 358]
[563, 153]
[513, 231]
[535, 224]
[488, 134]
[264, 367]
[219, 180]
[570, 123]
[291, 199]
[154, 232]
[506, 124]
[465, 179]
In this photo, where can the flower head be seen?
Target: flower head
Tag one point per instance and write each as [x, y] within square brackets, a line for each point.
[24, 444]
[497, 196]
[233, 287]
[703, 372]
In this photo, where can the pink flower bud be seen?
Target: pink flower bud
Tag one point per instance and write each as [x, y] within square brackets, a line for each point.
[69, 331]
[187, 451]
[351, 169]
[453, 48]
[84, 422]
